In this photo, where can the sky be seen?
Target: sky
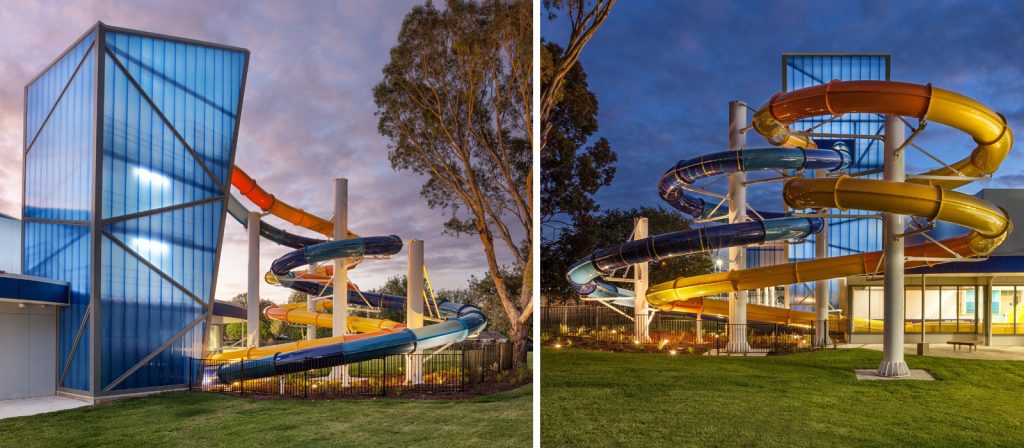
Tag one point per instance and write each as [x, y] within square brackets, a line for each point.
[664, 73]
[307, 118]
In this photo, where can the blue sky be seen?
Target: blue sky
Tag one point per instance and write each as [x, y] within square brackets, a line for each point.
[308, 115]
[664, 72]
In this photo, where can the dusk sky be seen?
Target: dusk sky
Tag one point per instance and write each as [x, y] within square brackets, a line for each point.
[664, 73]
[308, 115]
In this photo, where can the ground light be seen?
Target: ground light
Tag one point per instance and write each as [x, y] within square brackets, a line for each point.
[673, 352]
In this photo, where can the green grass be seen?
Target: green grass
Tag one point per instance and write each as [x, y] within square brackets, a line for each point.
[596, 399]
[206, 419]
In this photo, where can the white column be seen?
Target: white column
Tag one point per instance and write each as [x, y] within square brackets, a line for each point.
[252, 303]
[737, 213]
[641, 276]
[216, 338]
[311, 307]
[893, 364]
[699, 337]
[821, 301]
[414, 309]
[340, 279]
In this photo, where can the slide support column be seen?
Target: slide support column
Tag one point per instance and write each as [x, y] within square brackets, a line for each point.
[640, 275]
[893, 364]
[414, 309]
[252, 302]
[737, 213]
[340, 278]
[821, 299]
[311, 307]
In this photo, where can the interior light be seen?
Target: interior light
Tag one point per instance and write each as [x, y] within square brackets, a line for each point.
[147, 177]
[149, 247]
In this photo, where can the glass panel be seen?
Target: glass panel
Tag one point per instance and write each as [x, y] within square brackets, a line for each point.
[141, 311]
[196, 87]
[182, 243]
[172, 365]
[877, 312]
[145, 166]
[61, 252]
[43, 92]
[58, 166]
[912, 309]
[966, 321]
[1002, 310]
[1019, 309]
[948, 309]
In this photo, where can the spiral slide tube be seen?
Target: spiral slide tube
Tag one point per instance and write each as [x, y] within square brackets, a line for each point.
[926, 197]
[584, 274]
[929, 197]
[380, 338]
[464, 321]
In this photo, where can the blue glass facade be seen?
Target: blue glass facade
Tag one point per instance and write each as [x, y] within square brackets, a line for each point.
[846, 235]
[126, 188]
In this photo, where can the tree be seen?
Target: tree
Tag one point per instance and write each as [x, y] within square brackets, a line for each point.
[609, 228]
[269, 330]
[454, 102]
[571, 171]
[585, 17]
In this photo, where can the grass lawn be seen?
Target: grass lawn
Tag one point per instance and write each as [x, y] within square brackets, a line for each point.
[206, 419]
[593, 399]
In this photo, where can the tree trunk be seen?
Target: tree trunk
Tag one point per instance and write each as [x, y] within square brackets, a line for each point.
[519, 334]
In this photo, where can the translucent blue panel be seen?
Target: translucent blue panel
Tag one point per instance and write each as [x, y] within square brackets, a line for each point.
[196, 87]
[181, 243]
[43, 92]
[141, 311]
[173, 365]
[145, 166]
[848, 235]
[62, 252]
[58, 166]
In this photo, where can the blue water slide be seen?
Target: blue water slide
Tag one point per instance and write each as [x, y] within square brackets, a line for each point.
[464, 321]
[583, 275]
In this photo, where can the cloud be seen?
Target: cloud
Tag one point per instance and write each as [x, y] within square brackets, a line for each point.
[308, 115]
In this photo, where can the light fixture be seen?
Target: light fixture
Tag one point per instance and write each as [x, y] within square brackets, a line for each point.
[149, 178]
[149, 247]
[21, 305]
[673, 352]
[558, 345]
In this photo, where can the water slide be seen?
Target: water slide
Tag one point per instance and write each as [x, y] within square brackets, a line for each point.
[381, 337]
[927, 196]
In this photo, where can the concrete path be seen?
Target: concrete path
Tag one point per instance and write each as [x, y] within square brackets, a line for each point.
[1007, 353]
[32, 406]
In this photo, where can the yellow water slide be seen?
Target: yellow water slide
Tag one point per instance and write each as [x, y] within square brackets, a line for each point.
[928, 197]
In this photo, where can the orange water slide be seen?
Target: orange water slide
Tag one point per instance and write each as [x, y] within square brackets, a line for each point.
[268, 203]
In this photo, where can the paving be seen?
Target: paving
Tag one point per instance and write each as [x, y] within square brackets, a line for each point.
[915, 375]
[40, 405]
[1005, 353]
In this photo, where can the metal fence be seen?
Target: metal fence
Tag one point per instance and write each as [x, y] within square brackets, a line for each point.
[674, 331]
[450, 370]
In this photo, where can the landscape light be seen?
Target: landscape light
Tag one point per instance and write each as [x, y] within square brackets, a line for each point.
[672, 352]
[558, 345]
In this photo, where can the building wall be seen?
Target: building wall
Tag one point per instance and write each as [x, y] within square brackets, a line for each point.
[10, 244]
[848, 235]
[125, 194]
[58, 195]
[29, 346]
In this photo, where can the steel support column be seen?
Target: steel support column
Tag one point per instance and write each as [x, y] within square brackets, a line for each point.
[893, 364]
[737, 213]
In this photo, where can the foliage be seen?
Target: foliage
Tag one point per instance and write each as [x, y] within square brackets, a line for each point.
[269, 329]
[572, 171]
[455, 104]
[584, 17]
[608, 228]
